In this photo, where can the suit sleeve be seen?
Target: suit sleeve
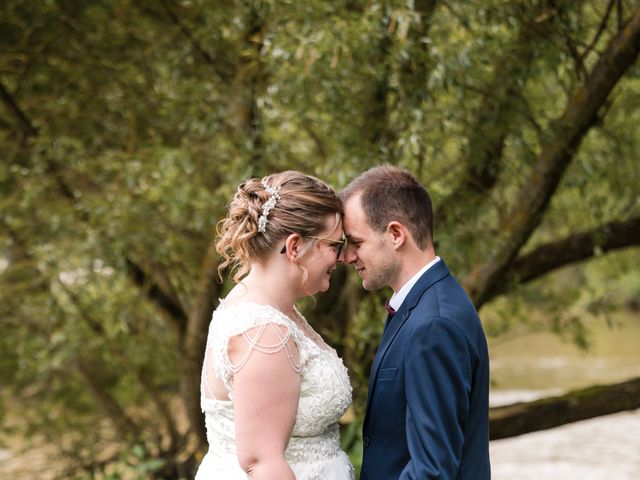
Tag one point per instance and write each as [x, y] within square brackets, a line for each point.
[437, 386]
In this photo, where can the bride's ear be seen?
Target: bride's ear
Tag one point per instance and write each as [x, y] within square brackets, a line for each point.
[293, 244]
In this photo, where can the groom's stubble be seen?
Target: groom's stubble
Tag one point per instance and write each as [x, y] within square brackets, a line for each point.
[380, 270]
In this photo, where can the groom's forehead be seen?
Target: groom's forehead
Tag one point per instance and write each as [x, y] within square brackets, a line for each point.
[356, 231]
[356, 223]
[353, 210]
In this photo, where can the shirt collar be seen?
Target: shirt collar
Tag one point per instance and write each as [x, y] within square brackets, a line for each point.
[398, 297]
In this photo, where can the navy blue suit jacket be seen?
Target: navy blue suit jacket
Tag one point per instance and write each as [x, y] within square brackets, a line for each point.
[428, 406]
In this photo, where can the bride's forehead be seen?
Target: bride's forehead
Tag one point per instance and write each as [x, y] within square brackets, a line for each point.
[332, 228]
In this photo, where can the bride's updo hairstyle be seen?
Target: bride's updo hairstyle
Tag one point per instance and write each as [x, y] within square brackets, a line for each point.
[299, 204]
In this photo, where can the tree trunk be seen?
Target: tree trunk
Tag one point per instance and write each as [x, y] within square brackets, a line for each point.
[192, 351]
[591, 402]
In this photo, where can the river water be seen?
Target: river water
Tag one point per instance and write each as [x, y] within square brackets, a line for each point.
[535, 366]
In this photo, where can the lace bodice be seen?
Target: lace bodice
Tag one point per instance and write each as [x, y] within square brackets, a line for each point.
[325, 391]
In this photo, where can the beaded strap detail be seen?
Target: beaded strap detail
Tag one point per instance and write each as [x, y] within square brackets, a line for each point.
[281, 344]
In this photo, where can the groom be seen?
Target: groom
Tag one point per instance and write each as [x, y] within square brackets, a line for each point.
[427, 410]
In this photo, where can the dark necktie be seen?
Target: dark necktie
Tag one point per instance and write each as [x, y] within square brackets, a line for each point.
[392, 312]
[390, 309]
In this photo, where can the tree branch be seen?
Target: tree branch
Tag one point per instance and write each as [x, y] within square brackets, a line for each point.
[601, 29]
[123, 424]
[317, 141]
[252, 75]
[376, 109]
[413, 76]
[619, 11]
[574, 248]
[580, 114]
[494, 118]
[580, 69]
[24, 124]
[163, 409]
[192, 352]
[409, 92]
[521, 418]
[222, 69]
[29, 131]
[187, 33]
[160, 293]
[162, 298]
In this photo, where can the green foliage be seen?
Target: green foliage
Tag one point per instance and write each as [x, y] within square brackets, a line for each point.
[127, 124]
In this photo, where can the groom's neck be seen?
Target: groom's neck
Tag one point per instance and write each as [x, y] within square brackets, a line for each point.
[410, 262]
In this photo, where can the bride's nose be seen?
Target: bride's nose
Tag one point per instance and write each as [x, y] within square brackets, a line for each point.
[346, 255]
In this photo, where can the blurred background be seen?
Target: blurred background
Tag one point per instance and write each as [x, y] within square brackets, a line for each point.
[125, 126]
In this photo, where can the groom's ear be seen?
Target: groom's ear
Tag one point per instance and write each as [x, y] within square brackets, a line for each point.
[398, 233]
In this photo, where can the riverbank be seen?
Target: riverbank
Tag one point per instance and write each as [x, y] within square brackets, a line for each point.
[604, 448]
[542, 365]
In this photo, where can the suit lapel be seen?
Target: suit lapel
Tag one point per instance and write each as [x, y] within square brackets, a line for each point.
[431, 276]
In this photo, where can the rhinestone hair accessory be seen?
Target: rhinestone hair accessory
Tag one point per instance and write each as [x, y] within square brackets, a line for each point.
[268, 205]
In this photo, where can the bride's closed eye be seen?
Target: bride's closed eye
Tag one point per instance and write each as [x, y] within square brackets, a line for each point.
[337, 245]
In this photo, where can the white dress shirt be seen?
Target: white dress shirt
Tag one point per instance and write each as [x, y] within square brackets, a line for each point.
[398, 297]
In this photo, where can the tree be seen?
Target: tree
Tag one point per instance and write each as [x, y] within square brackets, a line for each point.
[126, 125]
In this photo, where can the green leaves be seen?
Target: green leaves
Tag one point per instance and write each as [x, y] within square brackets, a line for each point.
[126, 126]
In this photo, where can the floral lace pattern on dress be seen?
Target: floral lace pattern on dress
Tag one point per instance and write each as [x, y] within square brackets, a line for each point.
[325, 394]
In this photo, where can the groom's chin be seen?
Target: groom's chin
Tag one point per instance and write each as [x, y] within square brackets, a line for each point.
[372, 285]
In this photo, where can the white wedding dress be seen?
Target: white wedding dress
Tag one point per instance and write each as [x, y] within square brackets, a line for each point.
[314, 447]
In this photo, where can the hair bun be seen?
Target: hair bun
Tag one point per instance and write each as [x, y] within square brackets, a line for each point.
[291, 202]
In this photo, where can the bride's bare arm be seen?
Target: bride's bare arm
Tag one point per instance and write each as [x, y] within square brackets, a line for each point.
[266, 390]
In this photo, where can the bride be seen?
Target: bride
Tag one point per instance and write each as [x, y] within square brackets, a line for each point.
[272, 390]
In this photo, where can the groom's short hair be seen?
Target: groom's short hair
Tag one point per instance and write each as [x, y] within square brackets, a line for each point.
[390, 193]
